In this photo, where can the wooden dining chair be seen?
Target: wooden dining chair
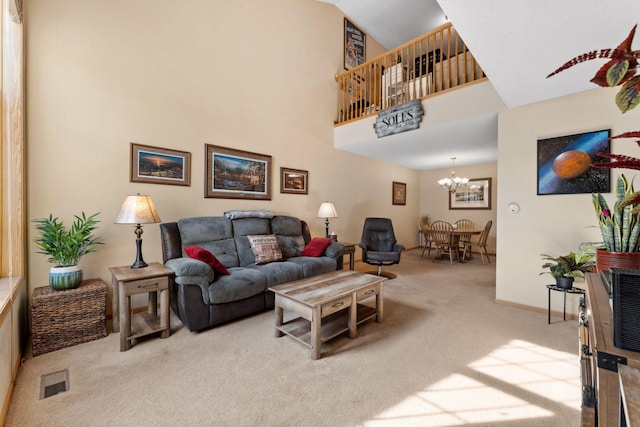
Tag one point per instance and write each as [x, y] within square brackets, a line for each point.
[461, 225]
[425, 229]
[444, 240]
[481, 244]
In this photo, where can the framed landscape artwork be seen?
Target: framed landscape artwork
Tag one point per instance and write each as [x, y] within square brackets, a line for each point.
[355, 45]
[294, 181]
[564, 164]
[237, 174]
[475, 195]
[399, 196]
[155, 165]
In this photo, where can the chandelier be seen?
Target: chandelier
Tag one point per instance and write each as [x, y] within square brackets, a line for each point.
[455, 182]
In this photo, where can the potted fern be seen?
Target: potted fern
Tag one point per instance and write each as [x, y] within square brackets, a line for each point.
[65, 247]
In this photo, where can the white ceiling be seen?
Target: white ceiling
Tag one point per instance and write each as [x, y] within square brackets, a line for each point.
[517, 44]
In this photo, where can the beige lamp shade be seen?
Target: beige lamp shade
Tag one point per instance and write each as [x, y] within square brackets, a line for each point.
[138, 209]
[327, 210]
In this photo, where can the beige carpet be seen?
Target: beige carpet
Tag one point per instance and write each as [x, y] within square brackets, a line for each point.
[445, 355]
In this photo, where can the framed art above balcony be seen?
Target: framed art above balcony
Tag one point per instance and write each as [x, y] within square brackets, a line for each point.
[355, 45]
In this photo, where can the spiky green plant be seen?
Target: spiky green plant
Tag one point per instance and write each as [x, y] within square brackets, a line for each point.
[65, 246]
[620, 228]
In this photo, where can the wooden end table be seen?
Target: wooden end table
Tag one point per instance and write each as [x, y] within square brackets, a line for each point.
[126, 282]
[350, 249]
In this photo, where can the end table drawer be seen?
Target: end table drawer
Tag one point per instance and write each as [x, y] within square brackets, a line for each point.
[335, 305]
[146, 285]
[367, 292]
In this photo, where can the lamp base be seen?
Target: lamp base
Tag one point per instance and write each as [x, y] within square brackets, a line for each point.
[139, 261]
[139, 264]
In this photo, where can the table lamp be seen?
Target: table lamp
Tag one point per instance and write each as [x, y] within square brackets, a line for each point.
[326, 211]
[138, 209]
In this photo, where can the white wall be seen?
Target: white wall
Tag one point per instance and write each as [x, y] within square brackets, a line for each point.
[251, 75]
[553, 224]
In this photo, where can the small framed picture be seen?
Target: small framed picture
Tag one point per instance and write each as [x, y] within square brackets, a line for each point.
[399, 193]
[236, 174]
[294, 181]
[475, 195]
[155, 165]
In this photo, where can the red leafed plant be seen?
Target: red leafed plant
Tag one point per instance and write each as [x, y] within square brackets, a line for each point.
[621, 69]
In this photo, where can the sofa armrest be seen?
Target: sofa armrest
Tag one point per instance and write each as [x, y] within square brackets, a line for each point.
[334, 250]
[189, 271]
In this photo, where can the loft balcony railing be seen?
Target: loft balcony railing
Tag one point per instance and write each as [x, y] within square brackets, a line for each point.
[435, 62]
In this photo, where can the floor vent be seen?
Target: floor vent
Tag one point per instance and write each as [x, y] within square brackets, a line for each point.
[54, 383]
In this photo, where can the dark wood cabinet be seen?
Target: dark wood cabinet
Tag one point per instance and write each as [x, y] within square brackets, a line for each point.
[600, 359]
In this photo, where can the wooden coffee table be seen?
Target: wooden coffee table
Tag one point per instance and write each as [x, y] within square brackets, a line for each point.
[322, 302]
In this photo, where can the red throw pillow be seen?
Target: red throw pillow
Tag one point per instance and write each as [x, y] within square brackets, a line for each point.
[204, 255]
[316, 246]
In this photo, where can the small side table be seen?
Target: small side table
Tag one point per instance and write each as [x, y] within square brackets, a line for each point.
[126, 282]
[350, 249]
[554, 287]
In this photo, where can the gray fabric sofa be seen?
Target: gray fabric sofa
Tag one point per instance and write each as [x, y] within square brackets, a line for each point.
[202, 299]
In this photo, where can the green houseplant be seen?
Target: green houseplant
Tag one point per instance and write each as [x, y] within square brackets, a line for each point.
[565, 268]
[65, 247]
[618, 227]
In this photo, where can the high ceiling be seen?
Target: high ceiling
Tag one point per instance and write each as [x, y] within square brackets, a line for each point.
[517, 44]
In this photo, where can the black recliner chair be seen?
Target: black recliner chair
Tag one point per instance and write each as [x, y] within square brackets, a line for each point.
[379, 244]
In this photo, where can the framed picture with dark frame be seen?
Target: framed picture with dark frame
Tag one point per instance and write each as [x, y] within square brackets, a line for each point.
[399, 196]
[475, 195]
[156, 165]
[294, 181]
[355, 45]
[564, 163]
[236, 174]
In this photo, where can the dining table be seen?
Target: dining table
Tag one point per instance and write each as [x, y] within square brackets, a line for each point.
[458, 233]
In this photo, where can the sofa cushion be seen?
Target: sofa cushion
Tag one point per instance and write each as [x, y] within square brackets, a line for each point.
[279, 272]
[212, 233]
[265, 248]
[242, 283]
[204, 255]
[312, 266]
[316, 246]
[288, 229]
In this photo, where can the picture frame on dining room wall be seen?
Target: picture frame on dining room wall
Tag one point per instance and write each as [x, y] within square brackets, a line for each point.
[475, 195]
[399, 196]
[236, 174]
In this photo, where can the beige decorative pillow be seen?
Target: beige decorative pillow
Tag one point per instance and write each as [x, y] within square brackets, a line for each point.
[265, 247]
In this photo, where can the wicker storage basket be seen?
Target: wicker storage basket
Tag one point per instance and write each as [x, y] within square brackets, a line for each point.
[61, 319]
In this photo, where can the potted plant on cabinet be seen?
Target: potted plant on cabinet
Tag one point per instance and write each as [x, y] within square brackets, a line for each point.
[65, 247]
[565, 268]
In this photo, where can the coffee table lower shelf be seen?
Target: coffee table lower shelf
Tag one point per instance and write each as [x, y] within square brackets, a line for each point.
[333, 325]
